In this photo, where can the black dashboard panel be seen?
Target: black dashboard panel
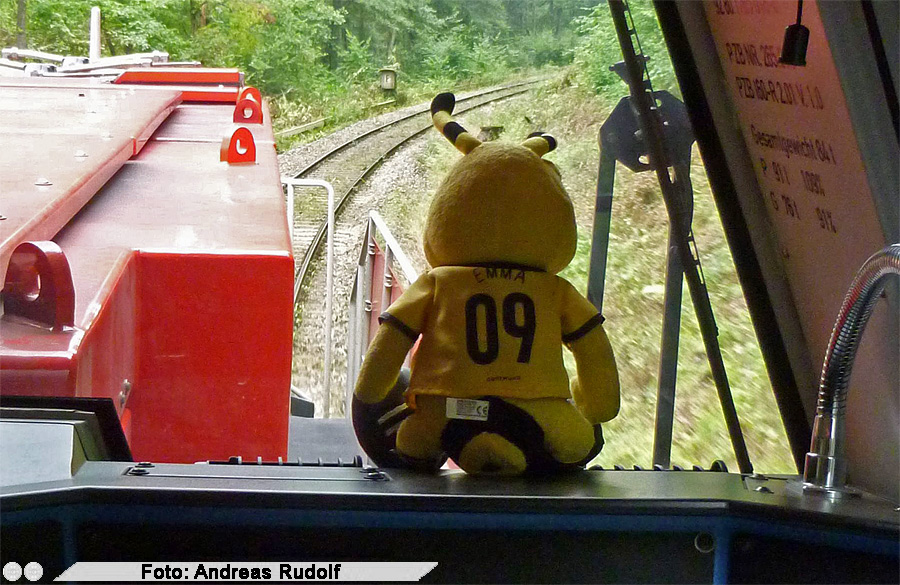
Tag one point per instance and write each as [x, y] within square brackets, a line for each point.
[593, 526]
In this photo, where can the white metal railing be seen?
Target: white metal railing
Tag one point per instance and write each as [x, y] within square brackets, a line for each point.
[15, 53]
[291, 183]
[361, 295]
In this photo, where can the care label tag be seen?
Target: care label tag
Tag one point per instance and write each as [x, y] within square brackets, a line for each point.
[467, 409]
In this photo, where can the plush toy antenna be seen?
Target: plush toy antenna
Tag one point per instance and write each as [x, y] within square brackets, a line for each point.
[539, 143]
[441, 110]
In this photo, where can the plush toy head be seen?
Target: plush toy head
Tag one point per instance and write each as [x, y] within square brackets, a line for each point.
[499, 203]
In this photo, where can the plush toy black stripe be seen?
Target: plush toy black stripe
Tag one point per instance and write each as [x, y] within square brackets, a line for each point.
[452, 130]
[443, 102]
[550, 140]
[513, 424]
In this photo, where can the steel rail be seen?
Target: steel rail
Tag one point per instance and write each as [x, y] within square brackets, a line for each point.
[417, 112]
[300, 276]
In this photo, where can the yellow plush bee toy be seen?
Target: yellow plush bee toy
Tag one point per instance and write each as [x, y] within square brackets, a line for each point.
[487, 386]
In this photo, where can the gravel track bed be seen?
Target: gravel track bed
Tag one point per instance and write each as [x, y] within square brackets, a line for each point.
[400, 173]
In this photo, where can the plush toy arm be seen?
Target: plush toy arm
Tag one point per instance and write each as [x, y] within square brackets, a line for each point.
[596, 389]
[384, 359]
[400, 327]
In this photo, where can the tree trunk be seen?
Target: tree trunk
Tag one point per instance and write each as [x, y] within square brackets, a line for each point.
[337, 39]
[390, 49]
[21, 24]
[555, 16]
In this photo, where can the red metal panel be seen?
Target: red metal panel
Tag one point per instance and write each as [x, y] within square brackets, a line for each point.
[213, 288]
[36, 361]
[397, 289]
[215, 357]
[377, 288]
[207, 93]
[209, 123]
[183, 276]
[37, 382]
[181, 76]
[106, 360]
[60, 145]
[196, 84]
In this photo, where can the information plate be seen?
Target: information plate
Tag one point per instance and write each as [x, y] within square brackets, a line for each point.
[804, 150]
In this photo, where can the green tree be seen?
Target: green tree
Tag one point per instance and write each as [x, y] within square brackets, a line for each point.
[63, 26]
[599, 48]
[292, 55]
[313, 48]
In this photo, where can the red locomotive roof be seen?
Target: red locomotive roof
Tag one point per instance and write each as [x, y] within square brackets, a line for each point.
[181, 265]
[62, 143]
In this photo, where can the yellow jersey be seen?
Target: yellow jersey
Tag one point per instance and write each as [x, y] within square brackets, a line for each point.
[491, 330]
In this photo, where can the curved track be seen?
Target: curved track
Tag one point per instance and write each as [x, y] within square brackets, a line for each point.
[346, 167]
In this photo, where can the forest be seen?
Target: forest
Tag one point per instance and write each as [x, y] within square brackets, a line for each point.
[285, 45]
[322, 57]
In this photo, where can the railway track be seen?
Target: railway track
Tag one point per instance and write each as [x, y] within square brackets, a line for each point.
[346, 166]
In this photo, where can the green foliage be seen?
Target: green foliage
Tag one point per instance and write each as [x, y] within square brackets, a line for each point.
[455, 55]
[544, 47]
[231, 34]
[599, 48]
[321, 51]
[58, 29]
[129, 26]
[355, 62]
[136, 26]
[291, 47]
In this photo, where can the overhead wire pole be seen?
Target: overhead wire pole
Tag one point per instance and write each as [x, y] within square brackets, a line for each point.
[651, 127]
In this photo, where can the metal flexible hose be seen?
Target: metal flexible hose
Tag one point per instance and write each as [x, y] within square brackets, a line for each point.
[824, 464]
[851, 321]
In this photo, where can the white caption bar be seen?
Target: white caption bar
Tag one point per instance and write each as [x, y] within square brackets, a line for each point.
[217, 571]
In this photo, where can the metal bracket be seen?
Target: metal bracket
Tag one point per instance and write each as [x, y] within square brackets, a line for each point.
[250, 92]
[663, 159]
[39, 285]
[238, 149]
[621, 133]
[248, 109]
